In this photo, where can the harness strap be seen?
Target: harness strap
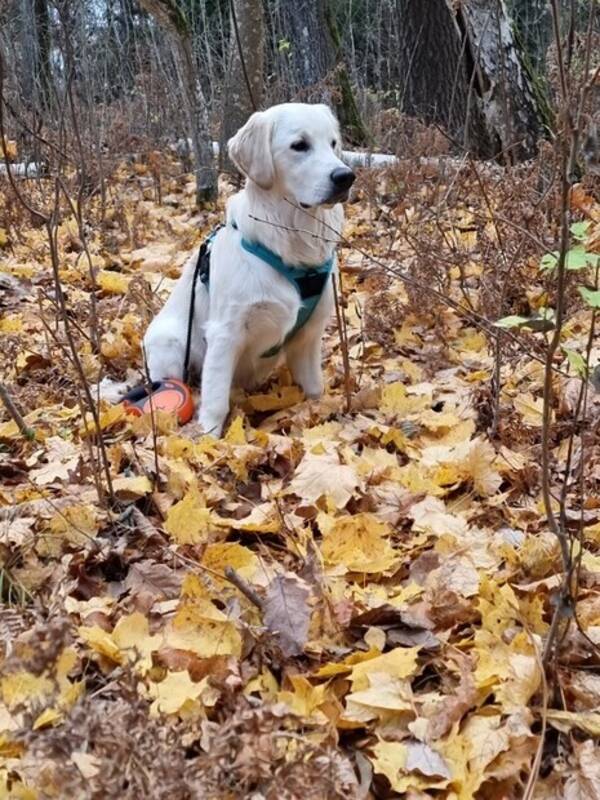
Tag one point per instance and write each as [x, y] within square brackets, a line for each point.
[202, 271]
[309, 282]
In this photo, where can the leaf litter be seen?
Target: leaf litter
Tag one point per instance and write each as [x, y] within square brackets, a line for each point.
[324, 603]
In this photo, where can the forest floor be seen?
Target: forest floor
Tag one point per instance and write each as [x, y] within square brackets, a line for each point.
[394, 576]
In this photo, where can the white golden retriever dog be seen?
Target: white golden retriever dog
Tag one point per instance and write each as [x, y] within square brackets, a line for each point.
[290, 207]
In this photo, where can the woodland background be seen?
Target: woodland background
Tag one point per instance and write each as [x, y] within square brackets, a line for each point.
[392, 592]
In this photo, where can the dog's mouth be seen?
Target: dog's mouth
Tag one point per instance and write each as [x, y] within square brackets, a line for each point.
[337, 197]
[332, 200]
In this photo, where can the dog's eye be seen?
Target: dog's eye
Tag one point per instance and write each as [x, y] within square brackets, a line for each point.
[300, 146]
[334, 143]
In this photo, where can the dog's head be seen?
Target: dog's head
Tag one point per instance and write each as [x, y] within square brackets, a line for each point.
[294, 150]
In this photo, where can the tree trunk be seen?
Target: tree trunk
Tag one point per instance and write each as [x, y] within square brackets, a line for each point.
[36, 45]
[243, 89]
[170, 16]
[43, 63]
[463, 70]
[511, 110]
[311, 55]
[437, 78]
[315, 54]
[533, 19]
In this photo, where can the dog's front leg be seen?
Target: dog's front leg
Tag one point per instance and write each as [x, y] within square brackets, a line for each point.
[303, 355]
[223, 347]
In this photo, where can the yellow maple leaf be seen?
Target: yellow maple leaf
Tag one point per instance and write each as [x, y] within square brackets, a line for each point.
[179, 694]
[23, 687]
[395, 398]
[77, 524]
[11, 749]
[304, 699]
[401, 662]
[111, 415]
[217, 557]
[131, 634]
[11, 323]
[235, 433]
[283, 397]
[360, 544]
[264, 684]
[385, 695]
[346, 666]
[262, 519]
[482, 742]
[189, 521]
[48, 717]
[199, 626]
[321, 473]
[418, 480]
[389, 759]
[530, 408]
[565, 721]
[523, 681]
[131, 487]
[101, 642]
[112, 282]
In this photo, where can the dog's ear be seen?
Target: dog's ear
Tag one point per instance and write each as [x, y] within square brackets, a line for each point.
[250, 150]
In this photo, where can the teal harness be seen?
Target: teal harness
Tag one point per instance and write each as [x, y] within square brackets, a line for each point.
[309, 280]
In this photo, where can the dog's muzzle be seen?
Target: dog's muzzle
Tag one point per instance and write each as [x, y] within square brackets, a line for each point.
[342, 179]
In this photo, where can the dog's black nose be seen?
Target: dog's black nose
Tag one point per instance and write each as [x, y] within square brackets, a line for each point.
[342, 178]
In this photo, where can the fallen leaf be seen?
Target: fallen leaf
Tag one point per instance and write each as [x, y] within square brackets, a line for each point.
[287, 611]
[320, 474]
[189, 521]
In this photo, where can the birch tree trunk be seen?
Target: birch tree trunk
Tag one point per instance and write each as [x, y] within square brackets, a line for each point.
[243, 88]
[464, 70]
[170, 16]
[506, 90]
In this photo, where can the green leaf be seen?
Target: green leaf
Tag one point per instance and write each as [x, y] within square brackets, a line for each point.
[512, 321]
[576, 362]
[548, 261]
[590, 296]
[579, 230]
[543, 320]
[579, 258]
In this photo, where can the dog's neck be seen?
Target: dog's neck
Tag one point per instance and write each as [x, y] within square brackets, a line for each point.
[296, 235]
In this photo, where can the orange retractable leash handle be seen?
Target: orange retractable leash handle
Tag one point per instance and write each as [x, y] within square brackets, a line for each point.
[169, 395]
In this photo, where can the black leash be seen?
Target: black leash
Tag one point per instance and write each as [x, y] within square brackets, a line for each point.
[202, 271]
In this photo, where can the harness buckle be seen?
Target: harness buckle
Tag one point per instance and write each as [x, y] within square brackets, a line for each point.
[311, 284]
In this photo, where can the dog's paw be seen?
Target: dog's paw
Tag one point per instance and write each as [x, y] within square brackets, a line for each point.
[203, 425]
[114, 391]
[193, 430]
[211, 427]
[313, 389]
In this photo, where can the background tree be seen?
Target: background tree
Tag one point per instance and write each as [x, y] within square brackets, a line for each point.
[170, 15]
[243, 87]
[463, 70]
[311, 47]
[463, 67]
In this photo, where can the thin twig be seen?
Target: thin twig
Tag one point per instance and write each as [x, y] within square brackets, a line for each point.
[339, 313]
[237, 580]
[14, 412]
